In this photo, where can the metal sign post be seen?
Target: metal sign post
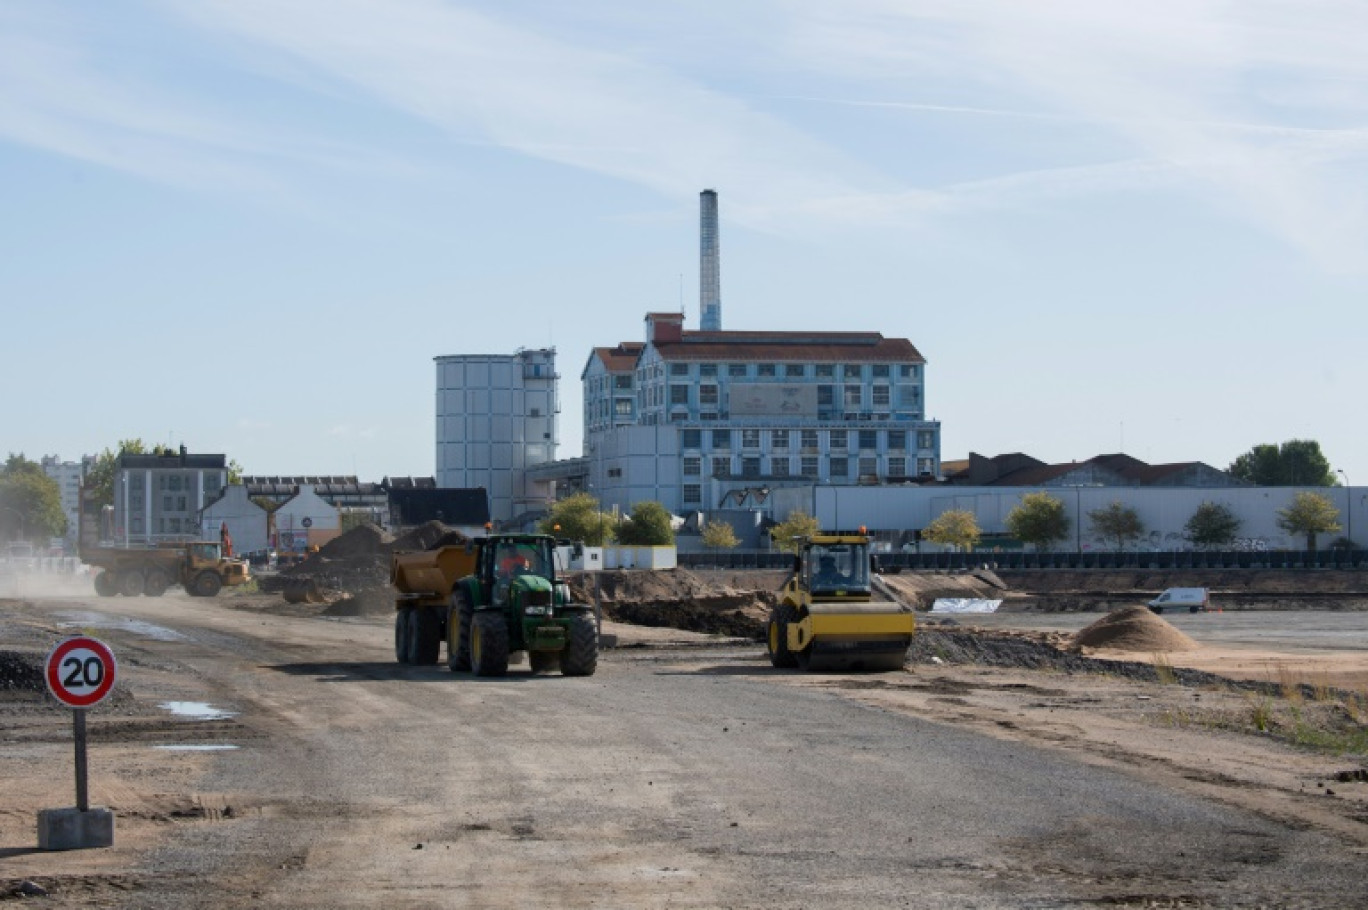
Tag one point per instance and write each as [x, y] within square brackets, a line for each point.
[80, 672]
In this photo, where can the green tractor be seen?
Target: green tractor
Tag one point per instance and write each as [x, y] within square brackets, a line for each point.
[514, 602]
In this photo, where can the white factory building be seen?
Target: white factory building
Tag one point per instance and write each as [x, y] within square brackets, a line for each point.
[497, 419]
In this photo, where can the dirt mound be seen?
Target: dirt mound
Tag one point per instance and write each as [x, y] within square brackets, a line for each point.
[21, 672]
[711, 618]
[1133, 629]
[362, 540]
[428, 536]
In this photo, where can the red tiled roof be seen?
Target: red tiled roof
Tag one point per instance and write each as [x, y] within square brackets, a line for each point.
[834, 347]
[622, 358]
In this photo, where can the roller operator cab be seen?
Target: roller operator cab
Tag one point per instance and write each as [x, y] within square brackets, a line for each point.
[511, 602]
[827, 617]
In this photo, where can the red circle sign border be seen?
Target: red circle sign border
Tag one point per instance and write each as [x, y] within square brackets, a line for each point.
[51, 671]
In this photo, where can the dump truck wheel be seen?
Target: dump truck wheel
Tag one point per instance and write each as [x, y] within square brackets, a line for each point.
[543, 661]
[401, 634]
[425, 637]
[489, 644]
[104, 584]
[777, 644]
[580, 657]
[206, 584]
[156, 583]
[131, 583]
[460, 616]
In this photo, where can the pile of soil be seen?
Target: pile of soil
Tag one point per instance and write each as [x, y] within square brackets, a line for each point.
[1133, 629]
[362, 540]
[428, 536]
[20, 672]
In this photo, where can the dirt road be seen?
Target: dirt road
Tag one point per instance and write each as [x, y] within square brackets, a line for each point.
[309, 770]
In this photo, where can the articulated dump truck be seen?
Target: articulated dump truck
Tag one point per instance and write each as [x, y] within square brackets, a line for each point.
[491, 599]
[827, 617]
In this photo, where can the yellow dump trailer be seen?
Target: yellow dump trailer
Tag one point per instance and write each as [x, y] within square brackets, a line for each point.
[424, 581]
[827, 617]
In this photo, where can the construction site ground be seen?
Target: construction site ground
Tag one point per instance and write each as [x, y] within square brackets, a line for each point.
[1035, 757]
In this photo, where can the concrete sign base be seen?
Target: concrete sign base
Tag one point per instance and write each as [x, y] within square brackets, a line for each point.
[73, 829]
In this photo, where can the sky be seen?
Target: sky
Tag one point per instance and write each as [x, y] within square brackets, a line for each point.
[248, 226]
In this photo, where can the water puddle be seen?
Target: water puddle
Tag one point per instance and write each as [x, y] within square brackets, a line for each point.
[215, 748]
[196, 710]
[120, 623]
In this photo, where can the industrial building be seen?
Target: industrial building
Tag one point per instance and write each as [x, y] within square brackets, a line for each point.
[496, 420]
[159, 497]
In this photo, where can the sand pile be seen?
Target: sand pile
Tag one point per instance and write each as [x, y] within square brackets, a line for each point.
[1133, 629]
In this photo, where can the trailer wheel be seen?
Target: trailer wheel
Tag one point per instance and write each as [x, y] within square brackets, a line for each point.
[402, 617]
[425, 637]
[156, 583]
[206, 584]
[580, 657]
[460, 616]
[104, 584]
[777, 639]
[489, 644]
[131, 582]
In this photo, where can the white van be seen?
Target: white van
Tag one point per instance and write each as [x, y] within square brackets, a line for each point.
[1194, 599]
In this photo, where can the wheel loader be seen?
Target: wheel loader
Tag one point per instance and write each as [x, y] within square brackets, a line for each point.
[827, 618]
[491, 599]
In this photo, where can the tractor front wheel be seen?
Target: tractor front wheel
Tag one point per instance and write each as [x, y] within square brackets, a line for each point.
[489, 644]
[580, 657]
[425, 637]
[460, 616]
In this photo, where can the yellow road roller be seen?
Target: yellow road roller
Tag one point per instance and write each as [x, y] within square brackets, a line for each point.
[827, 617]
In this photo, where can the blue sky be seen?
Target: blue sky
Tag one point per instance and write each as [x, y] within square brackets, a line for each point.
[249, 226]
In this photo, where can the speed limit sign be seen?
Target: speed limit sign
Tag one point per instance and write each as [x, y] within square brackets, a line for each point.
[80, 671]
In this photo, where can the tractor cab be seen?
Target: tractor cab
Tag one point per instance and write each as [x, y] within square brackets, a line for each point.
[836, 567]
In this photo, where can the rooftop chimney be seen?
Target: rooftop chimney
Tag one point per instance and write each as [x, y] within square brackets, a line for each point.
[710, 277]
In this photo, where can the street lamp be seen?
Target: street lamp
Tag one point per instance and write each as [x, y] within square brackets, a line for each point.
[1348, 511]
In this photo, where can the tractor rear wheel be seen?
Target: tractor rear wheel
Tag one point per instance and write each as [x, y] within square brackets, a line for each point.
[460, 616]
[156, 583]
[489, 644]
[777, 639]
[206, 584]
[402, 617]
[580, 657]
[425, 637]
[104, 584]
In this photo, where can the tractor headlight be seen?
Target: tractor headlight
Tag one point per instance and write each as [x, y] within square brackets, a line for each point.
[536, 610]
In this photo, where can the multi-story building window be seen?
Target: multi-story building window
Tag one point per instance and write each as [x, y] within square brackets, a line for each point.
[779, 439]
[693, 465]
[707, 369]
[838, 466]
[750, 467]
[693, 439]
[879, 371]
[623, 382]
[794, 370]
[808, 440]
[926, 439]
[840, 440]
[925, 465]
[851, 371]
[764, 369]
[869, 466]
[825, 371]
[721, 466]
[826, 396]
[721, 439]
[736, 370]
[809, 465]
[679, 369]
[879, 396]
[897, 467]
[691, 494]
[779, 467]
[869, 439]
[909, 396]
[679, 394]
[852, 397]
[911, 371]
[750, 439]
[707, 395]
[623, 407]
[897, 440]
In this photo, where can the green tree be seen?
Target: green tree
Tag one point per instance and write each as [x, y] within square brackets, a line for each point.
[956, 527]
[647, 526]
[1309, 514]
[30, 501]
[1038, 519]
[578, 517]
[718, 535]
[1212, 525]
[1295, 463]
[100, 477]
[1117, 522]
[786, 533]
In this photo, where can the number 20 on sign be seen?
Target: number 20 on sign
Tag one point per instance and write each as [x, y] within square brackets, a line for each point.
[80, 671]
